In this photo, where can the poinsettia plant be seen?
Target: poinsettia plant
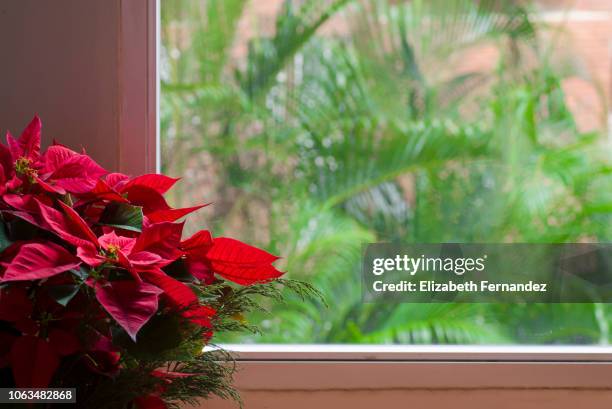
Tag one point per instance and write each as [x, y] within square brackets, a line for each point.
[99, 290]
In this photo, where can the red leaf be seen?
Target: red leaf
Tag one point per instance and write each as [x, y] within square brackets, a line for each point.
[33, 361]
[241, 263]
[181, 298]
[77, 223]
[26, 203]
[160, 183]
[64, 342]
[6, 161]
[89, 254]
[121, 243]
[13, 146]
[179, 295]
[130, 303]
[104, 355]
[27, 209]
[14, 304]
[170, 215]
[142, 259]
[195, 248]
[50, 188]
[102, 191]
[200, 315]
[68, 225]
[116, 180]
[162, 239]
[6, 343]
[27, 326]
[35, 221]
[37, 260]
[150, 402]
[28, 144]
[78, 174]
[104, 363]
[200, 241]
[30, 139]
[150, 199]
[55, 156]
[200, 270]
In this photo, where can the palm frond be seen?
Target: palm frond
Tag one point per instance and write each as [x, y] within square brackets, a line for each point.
[295, 25]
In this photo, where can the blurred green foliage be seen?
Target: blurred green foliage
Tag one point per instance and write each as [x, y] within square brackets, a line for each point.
[311, 142]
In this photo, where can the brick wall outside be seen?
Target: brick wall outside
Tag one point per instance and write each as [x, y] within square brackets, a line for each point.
[589, 38]
[579, 31]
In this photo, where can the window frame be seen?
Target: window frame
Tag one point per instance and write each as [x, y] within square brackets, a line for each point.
[299, 367]
[139, 86]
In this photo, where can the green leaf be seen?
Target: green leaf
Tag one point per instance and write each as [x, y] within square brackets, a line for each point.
[160, 337]
[82, 273]
[62, 294]
[295, 26]
[4, 240]
[178, 270]
[122, 215]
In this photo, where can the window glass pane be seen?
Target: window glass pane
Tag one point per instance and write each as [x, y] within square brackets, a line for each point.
[315, 126]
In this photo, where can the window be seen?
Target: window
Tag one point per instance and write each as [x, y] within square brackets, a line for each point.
[289, 119]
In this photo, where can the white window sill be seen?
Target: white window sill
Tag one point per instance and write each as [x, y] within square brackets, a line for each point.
[396, 367]
[420, 353]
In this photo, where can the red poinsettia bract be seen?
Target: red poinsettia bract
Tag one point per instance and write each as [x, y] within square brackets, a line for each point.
[85, 252]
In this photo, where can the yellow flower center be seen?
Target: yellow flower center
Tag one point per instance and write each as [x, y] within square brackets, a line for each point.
[23, 166]
[112, 251]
